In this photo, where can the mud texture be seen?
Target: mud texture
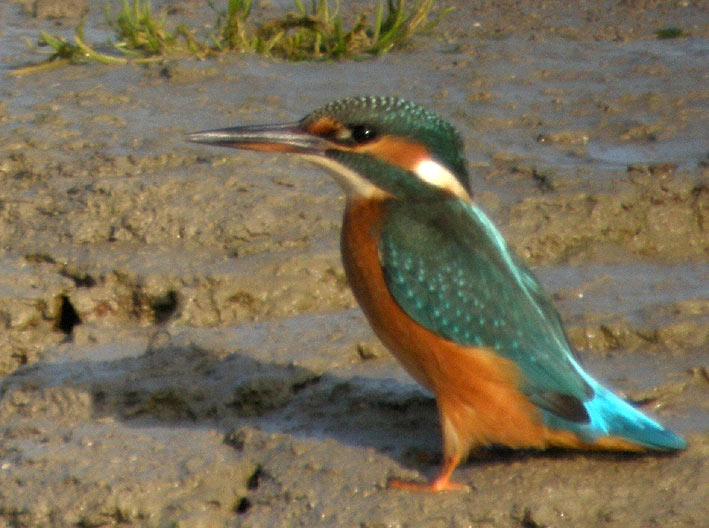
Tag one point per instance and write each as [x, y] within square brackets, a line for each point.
[179, 344]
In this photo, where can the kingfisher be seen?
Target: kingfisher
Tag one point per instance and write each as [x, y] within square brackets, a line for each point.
[443, 291]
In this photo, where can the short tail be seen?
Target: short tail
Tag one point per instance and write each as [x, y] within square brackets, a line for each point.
[611, 416]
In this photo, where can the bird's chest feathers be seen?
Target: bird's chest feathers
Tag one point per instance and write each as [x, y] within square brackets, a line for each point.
[361, 230]
[390, 260]
[414, 345]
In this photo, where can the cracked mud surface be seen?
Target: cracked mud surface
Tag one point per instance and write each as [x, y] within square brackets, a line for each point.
[180, 347]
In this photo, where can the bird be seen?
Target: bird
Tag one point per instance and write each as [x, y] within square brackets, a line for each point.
[440, 287]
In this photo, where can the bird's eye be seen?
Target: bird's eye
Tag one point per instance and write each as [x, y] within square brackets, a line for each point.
[363, 133]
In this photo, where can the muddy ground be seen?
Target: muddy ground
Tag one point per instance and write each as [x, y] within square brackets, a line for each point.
[179, 344]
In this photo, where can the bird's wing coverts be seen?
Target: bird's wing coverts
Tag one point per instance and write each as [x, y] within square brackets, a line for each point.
[449, 269]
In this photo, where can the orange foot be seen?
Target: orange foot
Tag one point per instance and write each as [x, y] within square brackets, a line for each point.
[441, 483]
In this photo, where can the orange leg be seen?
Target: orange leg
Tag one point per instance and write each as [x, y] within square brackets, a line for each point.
[441, 483]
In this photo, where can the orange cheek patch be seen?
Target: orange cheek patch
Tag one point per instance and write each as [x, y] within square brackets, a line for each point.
[324, 127]
[399, 152]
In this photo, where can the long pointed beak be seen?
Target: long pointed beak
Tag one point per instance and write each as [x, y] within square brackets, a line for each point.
[289, 137]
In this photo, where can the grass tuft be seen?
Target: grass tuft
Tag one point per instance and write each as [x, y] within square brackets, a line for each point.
[314, 33]
[63, 52]
[319, 32]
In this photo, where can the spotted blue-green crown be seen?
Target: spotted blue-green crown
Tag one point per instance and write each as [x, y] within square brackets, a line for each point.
[402, 118]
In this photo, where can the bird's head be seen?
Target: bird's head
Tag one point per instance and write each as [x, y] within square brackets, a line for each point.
[374, 146]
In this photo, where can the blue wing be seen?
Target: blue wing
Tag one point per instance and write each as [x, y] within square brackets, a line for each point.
[450, 270]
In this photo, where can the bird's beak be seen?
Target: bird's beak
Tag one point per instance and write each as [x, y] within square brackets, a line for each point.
[289, 137]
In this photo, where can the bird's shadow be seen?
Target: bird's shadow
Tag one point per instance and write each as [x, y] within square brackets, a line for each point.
[189, 385]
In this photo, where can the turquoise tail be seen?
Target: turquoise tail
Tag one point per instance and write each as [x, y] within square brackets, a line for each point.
[611, 416]
[615, 417]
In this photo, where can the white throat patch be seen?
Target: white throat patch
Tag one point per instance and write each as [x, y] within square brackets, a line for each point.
[351, 182]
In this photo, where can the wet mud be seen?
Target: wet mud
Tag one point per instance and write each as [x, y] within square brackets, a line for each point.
[180, 346]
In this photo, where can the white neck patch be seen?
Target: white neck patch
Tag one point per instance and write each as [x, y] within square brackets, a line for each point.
[437, 175]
